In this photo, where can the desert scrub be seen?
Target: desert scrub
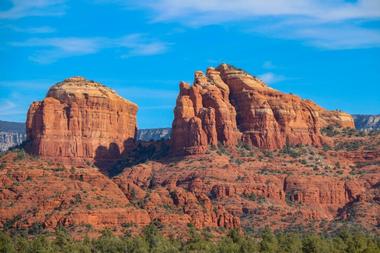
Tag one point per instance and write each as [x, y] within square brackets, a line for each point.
[20, 155]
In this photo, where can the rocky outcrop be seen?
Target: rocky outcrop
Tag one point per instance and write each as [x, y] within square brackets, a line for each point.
[204, 115]
[81, 121]
[228, 105]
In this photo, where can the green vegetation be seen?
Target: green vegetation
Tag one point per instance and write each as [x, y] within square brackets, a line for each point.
[20, 155]
[291, 151]
[151, 241]
[349, 146]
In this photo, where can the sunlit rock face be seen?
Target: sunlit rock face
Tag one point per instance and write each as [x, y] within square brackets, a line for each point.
[81, 121]
[227, 105]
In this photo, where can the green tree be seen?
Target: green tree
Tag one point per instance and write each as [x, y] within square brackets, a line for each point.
[314, 244]
[290, 243]
[269, 243]
[6, 244]
[108, 243]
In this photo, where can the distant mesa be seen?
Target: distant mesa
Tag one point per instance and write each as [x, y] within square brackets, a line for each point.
[367, 122]
[11, 134]
[227, 105]
[81, 121]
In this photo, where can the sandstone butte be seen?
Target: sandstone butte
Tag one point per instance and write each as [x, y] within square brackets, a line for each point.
[227, 106]
[79, 122]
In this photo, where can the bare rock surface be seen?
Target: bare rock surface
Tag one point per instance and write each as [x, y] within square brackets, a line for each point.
[81, 121]
[227, 105]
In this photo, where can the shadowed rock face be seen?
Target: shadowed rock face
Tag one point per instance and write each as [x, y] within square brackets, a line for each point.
[228, 105]
[81, 121]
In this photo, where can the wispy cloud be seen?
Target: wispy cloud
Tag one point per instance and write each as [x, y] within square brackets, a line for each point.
[271, 78]
[337, 24]
[12, 107]
[216, 11]
[6, 105]
[340, 37]
[52, 49]
[26, 8]
[336, 35]
[36, 29]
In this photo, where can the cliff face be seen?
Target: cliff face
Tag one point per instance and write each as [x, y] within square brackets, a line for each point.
[81, 121]
[228, 105]
[204, 115]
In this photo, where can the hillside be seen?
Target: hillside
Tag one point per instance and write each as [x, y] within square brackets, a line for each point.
[239, 188]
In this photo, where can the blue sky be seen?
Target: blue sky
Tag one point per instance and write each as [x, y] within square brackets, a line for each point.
[327, 51]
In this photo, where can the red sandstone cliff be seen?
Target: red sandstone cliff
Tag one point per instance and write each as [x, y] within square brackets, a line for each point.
[228, 105]
[81, 121]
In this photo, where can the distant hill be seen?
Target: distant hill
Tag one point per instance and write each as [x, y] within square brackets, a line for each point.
[14, 127]
[154, 134]
[11, 134]
[367, 122]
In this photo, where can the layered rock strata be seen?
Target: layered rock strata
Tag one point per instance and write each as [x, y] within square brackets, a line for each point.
[81, 121]
[227, 105]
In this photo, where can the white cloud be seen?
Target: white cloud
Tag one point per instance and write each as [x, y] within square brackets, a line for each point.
[271, 78]
[26, 8]
[52, 49]
[323, 35]
[37, 29]
[342, 37]
[336, 24]
[13, 106]
[7, 105]
[215, 11]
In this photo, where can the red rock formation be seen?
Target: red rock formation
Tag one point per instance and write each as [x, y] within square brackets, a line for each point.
[228, 105]
[81, 121]
[204, 115]
[243, 189]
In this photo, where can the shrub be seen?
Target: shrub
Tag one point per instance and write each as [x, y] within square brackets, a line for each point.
[20, 155]
[291, 151]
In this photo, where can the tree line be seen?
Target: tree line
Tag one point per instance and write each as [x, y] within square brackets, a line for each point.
[152, 241]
